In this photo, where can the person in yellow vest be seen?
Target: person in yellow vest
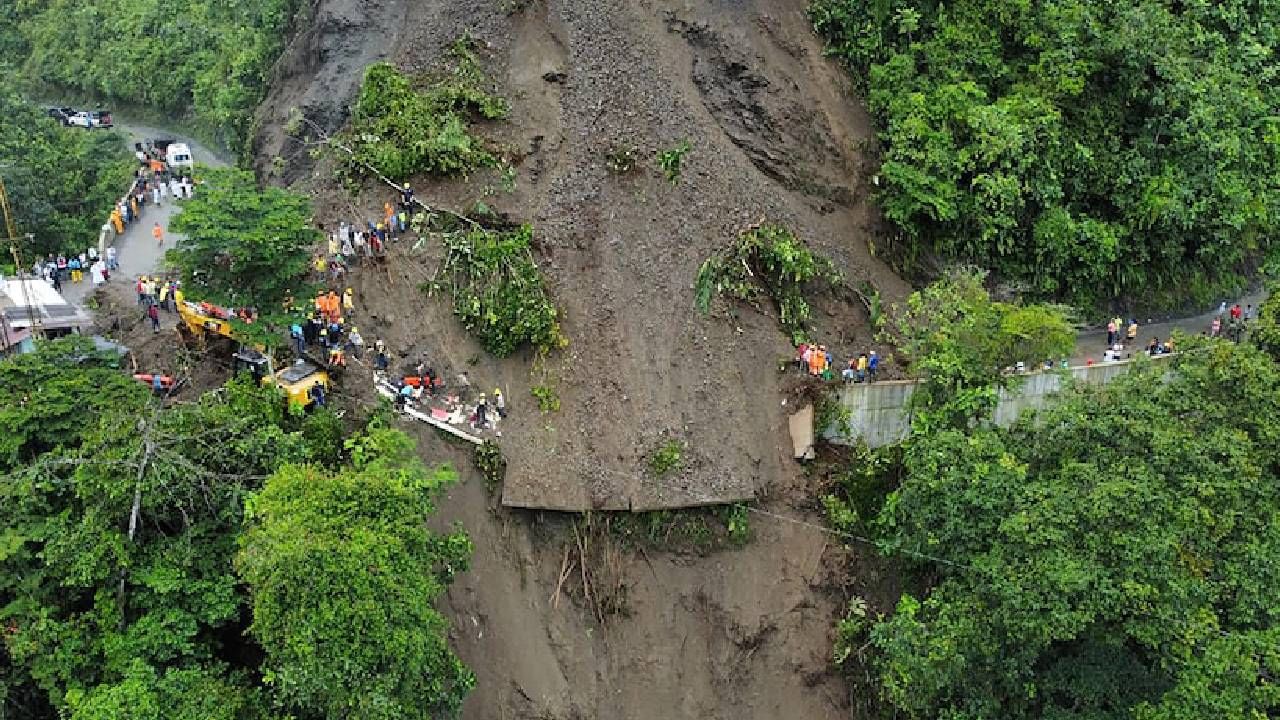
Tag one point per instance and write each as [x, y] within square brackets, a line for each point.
[117, 222]
[164, 296]
[177, 294]
[349, 300]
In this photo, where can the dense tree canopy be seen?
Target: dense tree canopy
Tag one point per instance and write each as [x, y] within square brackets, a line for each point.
[344, 574]
[1111, 557]
[119, 593]
[959, 342]
[244, 246]
[201, 56]
[1086, 149]
[62, 182]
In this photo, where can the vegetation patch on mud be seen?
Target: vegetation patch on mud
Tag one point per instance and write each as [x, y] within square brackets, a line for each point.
[400, 129]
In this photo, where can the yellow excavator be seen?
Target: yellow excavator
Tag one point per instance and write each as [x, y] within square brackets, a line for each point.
[297, 381]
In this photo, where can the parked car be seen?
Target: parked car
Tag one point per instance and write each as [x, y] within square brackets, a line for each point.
[178, 155]
[61, 114]
[90, 119]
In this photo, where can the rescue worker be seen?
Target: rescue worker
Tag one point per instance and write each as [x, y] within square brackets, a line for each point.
[499, 402]
[482, 409]
[336, 356]
[157, 232]
[349, 300]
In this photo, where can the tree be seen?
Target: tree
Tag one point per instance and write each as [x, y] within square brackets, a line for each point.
[343, 572]
[959, 342]
[244, 246]
[1082, 149]
[210, 58]
[50, 398]
[119, 521]
[1109, 557]
[62, 182]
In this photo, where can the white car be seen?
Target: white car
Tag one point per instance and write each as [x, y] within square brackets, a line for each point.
[178, 155]
[89, 119]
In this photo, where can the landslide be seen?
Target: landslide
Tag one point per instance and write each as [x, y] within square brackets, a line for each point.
[776, 135]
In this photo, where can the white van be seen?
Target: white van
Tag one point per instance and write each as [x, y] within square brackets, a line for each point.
[178, 155]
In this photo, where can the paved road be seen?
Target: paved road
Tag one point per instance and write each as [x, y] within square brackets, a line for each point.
[136, 249]
[1091, 343]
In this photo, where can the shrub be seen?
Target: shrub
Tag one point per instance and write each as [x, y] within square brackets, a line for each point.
[768, 260]
[669, 161]
[400, 130]
[491, 464]
[668, 457]
[497, 289]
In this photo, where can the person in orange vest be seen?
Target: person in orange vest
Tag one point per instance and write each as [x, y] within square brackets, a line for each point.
[157, 232]
[334, 306]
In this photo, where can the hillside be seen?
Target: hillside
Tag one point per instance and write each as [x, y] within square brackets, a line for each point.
[777, 135]
[774, 131]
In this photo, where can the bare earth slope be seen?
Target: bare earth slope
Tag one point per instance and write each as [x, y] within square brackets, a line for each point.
[774, 134]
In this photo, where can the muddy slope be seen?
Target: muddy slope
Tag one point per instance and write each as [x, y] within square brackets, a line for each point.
[776, 135]
[774, 132]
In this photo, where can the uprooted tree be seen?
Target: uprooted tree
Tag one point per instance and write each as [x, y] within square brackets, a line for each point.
[766, 261]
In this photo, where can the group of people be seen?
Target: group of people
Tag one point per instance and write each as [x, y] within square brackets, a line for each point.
[1233, 322]
[156, 294]
[818, 362]
[62, 268]
[323, 326]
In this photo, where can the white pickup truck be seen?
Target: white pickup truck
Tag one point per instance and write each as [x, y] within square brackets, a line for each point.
[90, 119]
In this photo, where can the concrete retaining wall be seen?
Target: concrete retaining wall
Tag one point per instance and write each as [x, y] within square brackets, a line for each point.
[879, 413]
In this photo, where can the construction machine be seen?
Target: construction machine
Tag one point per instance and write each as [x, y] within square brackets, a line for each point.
[297, 381]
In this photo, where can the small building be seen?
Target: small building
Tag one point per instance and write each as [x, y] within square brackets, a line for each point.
[30, 307]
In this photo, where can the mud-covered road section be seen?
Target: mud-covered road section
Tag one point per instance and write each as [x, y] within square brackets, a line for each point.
[776, 135]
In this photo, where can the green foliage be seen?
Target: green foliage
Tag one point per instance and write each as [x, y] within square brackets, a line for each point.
[1084, 149]
[1265, 330]
[491, 464]
[768, 260]
[116, 584]
[670, 161]
[497, 289]
[344, 573]
[243, 246]
[199, 693]
[959, 341]
[200, 56]
[547, 397]
[693, 530]
[831, 414]
[400, 130]
[851, 630]
[1106, 558]
[668, 457]
[62, 182]
[863, 479]
[50, 398]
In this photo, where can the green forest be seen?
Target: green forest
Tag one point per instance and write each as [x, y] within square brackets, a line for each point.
[1109, 557]
[1080, 150]
[66, 183]
[205, 59]
[209, 560]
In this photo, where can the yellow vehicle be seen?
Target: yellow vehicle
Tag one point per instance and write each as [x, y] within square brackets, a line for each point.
[297, 381]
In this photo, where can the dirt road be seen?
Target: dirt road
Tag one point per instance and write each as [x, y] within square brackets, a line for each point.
[136, 249]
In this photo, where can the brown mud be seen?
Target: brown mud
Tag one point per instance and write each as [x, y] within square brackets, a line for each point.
[776, 136]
